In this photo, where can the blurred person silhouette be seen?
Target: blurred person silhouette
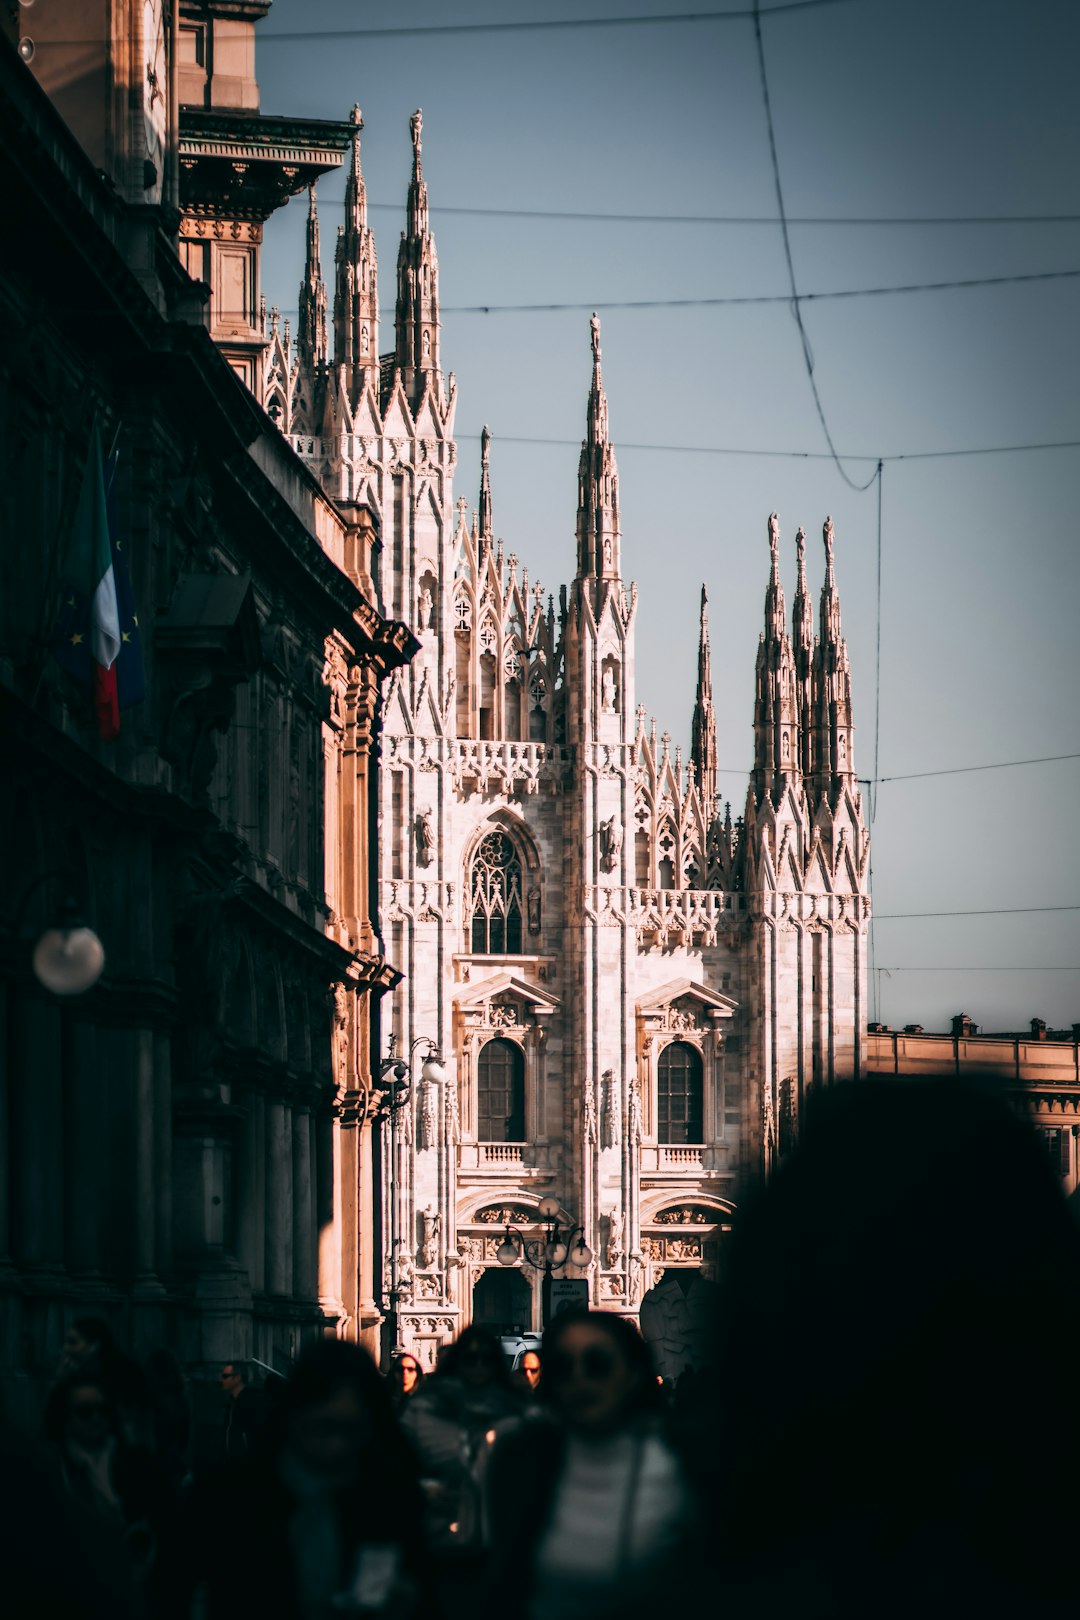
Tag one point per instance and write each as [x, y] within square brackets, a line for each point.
[404, 1378]
[172, 1412]
[89, 1340]
[51, 1560]
[452, 1422]
[120, 1491]
[244, 1413]
[328, 1520]
[528, 1377]
[900, 1325]
[590, 1513]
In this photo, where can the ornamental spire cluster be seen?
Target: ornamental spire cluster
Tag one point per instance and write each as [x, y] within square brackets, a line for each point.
[598, 532]
[802, 714]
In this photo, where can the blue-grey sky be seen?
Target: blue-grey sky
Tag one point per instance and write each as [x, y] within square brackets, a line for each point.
[932, 107]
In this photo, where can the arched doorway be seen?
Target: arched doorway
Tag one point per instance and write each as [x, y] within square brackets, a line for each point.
[502, 1300]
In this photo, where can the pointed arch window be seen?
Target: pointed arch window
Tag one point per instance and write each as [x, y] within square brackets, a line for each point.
[680, 1095]
[495, 897]
[500, 1093]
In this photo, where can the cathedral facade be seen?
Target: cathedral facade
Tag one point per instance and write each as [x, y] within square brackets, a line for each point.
[631, 991]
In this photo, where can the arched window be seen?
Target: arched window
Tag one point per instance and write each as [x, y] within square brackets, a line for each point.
[680, 1095]
[495, 890]
[500, 1093]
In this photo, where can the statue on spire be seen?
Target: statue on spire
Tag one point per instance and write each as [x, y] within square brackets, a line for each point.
[416, 124]
[800, 544]
[827, 536]
[595, 325]
[774, 532]
[355, 115]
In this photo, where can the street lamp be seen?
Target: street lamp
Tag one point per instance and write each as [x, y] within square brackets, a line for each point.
[560, 1246]
[393, 1080]
[69, 958]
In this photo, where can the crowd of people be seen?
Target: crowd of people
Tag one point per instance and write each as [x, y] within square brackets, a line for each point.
[884, 1426]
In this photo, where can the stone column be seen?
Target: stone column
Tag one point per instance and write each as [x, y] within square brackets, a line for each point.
[303, 1235]
[278, 1197]
[86, 1158]
[38, 1135]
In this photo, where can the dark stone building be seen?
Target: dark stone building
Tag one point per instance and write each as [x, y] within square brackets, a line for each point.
[185, 1148]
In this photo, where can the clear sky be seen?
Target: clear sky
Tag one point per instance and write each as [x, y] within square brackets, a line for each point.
[952, 108]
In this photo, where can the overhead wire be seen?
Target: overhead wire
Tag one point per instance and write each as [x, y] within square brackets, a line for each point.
[808, 355]
[539, 24]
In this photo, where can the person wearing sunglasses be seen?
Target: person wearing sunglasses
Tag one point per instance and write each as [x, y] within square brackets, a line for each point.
[608, 1509]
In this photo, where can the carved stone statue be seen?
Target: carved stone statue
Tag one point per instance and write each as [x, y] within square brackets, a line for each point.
[425, 606]
[614, 1242]
[431, 1225]
[611, 836]
[594, 325]
[416, 124]
[774, 531]
[425, 838]
[827, 536]
[404, 1272]
[608, 691]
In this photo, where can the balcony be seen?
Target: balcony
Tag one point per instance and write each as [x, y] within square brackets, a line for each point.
[502, 1154]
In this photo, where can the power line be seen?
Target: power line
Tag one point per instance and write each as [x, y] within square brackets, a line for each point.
[539, 25]
[737, 300]
[791, 455]
[734, 300]
[994, 911]
[962, 770]
[808, 355]
[1055, 969]
[592, 217]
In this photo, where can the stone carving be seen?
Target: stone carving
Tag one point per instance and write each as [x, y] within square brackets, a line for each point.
[633, 1114]
[453, 1119]
[774, 532]
[425, 838]
[534, 911]
[611, 837]
[506, 1215]
[431, 1226]
[404, 1273]
[609, 1112]
[471, 1248]
[424, 607]
[613, 1252]
[427, 1287]
[427, 1117]
[588, 1122]
[685, 1215]
[607, 688]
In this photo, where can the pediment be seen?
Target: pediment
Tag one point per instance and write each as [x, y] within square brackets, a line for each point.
[687, 993]
[501, 988]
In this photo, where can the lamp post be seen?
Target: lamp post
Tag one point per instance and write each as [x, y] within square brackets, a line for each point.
[68, 959]
[395, 1074]
[560, 1246]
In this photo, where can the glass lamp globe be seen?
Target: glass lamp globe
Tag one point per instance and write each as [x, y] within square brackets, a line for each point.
[69, 959]
[548, 1208]
[432, 1069]
[506, 1254]
[581, 1254]
[558, 1253]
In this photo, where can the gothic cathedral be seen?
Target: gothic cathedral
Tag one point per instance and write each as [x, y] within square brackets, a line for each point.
[632, 991]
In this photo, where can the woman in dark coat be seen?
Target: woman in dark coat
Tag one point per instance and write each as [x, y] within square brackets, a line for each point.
[330, 1520]
[590, 1516]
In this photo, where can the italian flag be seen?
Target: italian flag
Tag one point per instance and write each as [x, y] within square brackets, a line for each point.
[92, 568]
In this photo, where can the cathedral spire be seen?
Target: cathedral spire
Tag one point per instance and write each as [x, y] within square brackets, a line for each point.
[835, 766]
[703, 728]
[598, 484]
[485, 485]
[417, 316]
[775, 707]
[356, 304]
[802, 641]
[311, 326]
